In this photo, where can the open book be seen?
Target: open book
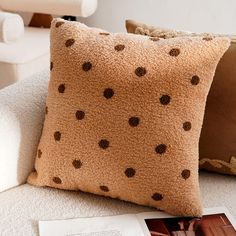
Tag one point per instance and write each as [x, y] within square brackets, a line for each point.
[215, 222]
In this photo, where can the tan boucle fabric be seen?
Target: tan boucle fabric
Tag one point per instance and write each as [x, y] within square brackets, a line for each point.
[219, 125]
[124, 115]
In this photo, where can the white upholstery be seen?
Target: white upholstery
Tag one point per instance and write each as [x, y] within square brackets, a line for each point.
[58, 7]
[11, 27]
[22, 207]
[22, 112]
[25, 57]
[30, 55]
[35, 43]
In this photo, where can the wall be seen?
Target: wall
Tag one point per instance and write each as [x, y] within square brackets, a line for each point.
[218, 16]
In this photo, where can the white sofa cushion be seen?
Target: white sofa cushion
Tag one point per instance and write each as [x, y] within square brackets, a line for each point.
[22, 207]
[22, 113]
[25, 57]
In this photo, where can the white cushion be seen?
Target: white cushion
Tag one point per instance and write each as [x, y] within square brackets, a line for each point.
[25, 57]
[22, 207]
[11, 27]
[22, 109]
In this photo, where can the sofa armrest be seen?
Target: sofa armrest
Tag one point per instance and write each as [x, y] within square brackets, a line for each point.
[21, 118]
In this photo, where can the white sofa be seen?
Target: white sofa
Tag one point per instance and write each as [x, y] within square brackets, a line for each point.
[22, 108]
[30, 54]
[25, 57]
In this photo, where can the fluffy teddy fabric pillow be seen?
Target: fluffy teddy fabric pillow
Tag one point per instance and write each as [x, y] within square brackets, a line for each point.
[124, 115]
[219, 125]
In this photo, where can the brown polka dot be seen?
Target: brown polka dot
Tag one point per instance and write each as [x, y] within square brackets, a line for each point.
[154, 39]
[130, 172]
[57, 180]
[57, 136]
[104, 144]
[157, 197]
[39, 153]
[140, 71]
[61, 88]
[195, 80]
[108, 93]
[104, 33]
[69, 42]
[163, 36]
[80, 115]
[51, 65]
[161, 148]
[165, 99]
[207, 38]
[185, 174]
[119, 47]
[104, 188]
[77, 164]
[46, 110]
[187, 126]
[58, 24]
[134, 121]
[174, 52]
[87, 66]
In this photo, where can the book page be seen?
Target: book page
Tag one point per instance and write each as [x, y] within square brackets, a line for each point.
[215, 222]
[121, 225]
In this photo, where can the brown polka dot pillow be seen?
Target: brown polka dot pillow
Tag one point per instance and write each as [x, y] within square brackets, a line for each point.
[124, 115]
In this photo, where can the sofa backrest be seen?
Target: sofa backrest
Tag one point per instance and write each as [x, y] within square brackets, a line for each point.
[82, 8]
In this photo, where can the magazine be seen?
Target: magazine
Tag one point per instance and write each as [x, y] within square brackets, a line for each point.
[215, 222]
